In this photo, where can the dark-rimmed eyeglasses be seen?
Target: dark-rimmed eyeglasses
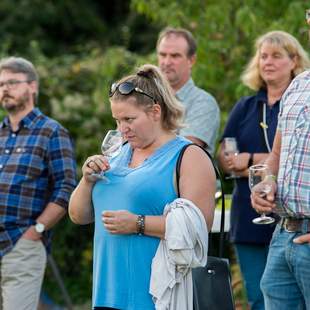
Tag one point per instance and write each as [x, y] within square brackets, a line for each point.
[12, 84]
[126, 88]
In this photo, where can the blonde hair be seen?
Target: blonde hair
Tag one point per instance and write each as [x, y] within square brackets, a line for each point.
[281, 39]
[149, 79]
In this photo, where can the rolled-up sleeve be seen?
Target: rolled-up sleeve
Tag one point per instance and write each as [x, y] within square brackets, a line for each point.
[62, 167]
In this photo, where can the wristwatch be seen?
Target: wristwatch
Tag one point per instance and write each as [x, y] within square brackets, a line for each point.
[39, 227]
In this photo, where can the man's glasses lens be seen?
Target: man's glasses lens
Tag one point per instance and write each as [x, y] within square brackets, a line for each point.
[13, 83]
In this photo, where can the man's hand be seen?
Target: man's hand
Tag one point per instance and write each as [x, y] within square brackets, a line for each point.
[262, 202]
[302, 239]
[31, 234]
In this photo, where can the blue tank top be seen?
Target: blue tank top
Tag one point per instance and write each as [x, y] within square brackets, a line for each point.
[122, 263]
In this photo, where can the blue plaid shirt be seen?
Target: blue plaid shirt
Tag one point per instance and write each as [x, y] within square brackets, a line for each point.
[37, 166]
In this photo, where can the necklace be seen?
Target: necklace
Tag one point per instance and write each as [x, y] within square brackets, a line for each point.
[264, 125]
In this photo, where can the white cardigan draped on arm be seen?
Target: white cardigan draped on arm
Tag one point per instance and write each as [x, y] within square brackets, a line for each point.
[185, 246]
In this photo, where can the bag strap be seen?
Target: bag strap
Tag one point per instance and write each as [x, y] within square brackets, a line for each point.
[218, 175]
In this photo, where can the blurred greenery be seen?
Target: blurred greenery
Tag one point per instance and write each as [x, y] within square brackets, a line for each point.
[80, 47]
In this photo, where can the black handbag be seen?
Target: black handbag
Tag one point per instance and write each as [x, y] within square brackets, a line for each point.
[212, 288]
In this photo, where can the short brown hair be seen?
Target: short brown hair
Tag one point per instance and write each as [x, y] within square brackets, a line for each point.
[181, 32]
[19, 65]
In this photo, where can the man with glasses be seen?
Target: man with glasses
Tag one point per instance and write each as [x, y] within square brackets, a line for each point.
[176, 54]
[37, 176]
[286, 279]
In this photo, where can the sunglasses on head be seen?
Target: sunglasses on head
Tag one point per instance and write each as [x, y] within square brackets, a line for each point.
[126, 88]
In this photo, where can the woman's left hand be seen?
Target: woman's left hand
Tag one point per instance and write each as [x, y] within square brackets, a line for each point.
[120, 222]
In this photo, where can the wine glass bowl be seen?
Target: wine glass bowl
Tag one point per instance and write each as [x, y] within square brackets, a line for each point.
[230, 148]
[257, 174]
[111, 146]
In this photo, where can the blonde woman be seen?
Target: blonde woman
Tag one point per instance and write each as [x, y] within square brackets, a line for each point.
[128, 211]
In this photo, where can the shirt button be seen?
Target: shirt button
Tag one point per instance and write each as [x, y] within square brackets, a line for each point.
[7, 151]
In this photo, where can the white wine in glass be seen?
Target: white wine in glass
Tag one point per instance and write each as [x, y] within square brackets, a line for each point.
[111, 146]
[230, 148]
[257, 174]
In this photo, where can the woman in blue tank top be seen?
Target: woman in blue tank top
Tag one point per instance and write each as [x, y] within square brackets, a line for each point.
[128, 210]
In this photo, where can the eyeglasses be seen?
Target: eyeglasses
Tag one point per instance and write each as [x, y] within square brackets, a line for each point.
[12, 84]
[126, 88]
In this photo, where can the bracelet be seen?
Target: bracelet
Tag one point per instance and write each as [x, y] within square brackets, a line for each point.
[270, 177]
[250, 162]
[140, 224]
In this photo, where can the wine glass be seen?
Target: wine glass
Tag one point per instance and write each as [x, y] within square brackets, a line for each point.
[230, 147]
[111, 146]
[257, 174]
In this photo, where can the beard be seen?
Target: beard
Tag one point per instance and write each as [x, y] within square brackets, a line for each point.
[14, 105]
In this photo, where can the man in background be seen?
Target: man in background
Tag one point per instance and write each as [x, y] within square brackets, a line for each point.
[176, 54]
[37, 176]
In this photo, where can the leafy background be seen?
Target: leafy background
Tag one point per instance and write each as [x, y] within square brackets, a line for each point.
[80, 47]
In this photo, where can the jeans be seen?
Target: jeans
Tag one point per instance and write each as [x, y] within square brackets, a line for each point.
[286, 280]
[252, 260]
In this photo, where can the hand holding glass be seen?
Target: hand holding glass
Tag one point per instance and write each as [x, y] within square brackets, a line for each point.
[230, 148]
[111, 146]
[257, 174]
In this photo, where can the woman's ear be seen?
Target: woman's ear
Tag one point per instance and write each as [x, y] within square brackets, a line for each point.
[156, 112]
[295, 60]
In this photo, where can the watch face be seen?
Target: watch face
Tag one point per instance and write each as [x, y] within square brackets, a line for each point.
[39, 228]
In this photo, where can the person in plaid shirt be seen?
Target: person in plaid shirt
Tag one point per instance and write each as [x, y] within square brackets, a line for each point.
[37, 176]
[286, 279]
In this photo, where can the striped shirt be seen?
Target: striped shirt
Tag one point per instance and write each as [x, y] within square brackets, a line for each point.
[37, 166]
[294, 169]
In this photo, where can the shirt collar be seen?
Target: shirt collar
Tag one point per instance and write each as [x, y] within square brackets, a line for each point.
[181, 93]
[27, 121]
[262, 97]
